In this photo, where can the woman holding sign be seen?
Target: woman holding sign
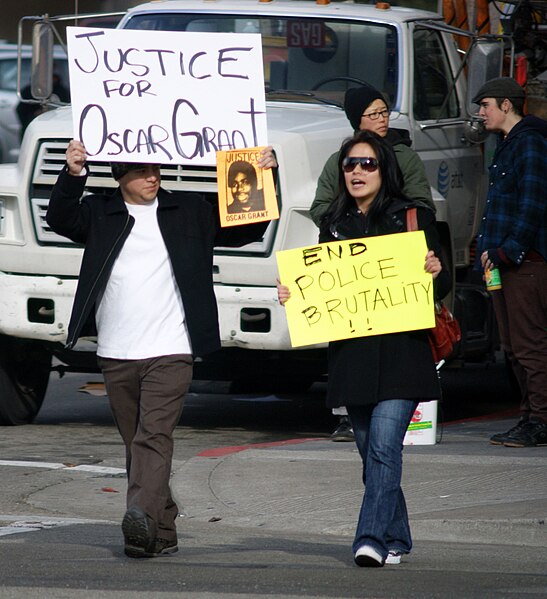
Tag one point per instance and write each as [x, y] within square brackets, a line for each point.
[367, 109]
[380, 379]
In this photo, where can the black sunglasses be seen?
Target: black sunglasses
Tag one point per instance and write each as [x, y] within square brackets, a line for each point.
[366, 163]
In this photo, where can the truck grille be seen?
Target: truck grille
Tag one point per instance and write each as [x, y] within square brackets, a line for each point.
[51, 159]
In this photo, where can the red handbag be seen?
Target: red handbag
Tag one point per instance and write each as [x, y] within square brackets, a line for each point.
[447, 331]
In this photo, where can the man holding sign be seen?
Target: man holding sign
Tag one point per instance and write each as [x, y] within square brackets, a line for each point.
[379, 374]
[146, 287]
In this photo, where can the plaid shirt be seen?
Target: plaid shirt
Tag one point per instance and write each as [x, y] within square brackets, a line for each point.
[515, 216]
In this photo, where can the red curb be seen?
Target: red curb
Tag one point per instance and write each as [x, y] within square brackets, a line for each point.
[224, 451]
[219, 452]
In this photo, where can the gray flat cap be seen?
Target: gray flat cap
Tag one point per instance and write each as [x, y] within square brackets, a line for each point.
[502, 87]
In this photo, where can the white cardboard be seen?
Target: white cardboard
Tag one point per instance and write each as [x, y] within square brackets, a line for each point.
[165, 97]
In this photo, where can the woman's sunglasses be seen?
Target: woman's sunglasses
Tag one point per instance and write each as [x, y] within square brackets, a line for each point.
[366, 163]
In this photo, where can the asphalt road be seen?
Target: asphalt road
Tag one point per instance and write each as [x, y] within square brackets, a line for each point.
[59, 529]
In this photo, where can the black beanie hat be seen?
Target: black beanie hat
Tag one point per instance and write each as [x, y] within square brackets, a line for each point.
[501, 87]
[357, 99]
[119, 169]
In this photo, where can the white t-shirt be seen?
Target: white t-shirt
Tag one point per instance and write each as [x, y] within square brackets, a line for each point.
[140, 313]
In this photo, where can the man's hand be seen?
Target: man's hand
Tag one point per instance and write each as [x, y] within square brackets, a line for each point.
[490, 259]
[267, 158]
[75, 157]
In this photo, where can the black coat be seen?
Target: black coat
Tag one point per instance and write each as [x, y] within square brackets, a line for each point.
[366, 370]
[190, 228]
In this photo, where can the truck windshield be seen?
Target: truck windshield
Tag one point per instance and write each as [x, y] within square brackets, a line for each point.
[305, 60]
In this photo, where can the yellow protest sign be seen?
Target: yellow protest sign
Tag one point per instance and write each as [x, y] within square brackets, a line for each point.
[356, 288]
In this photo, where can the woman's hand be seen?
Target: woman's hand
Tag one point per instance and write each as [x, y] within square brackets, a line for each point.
[283, 293]
[432, 264]
[267, 158]
[75, 157]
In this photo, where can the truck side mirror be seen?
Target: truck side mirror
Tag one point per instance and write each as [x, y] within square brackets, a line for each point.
[484, 62]
[41, 77]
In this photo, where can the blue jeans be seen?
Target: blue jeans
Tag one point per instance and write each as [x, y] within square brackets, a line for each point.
[379, 433]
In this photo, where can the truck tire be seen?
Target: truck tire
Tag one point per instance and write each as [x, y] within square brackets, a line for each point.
[24, 376]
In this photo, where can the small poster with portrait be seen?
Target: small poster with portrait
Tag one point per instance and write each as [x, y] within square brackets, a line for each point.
[246, 192]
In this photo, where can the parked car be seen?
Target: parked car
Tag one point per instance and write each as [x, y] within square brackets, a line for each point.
[10, 123]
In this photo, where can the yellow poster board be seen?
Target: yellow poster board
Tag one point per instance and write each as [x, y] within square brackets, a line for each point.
[356, 288]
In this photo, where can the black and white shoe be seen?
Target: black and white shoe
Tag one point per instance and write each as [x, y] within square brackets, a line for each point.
[367, 557]
[344, 431]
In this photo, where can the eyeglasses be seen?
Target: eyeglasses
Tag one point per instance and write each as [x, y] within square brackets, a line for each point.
[366, 163]
[374, 116]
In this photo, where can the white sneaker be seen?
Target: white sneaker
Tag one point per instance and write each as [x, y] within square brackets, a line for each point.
[367, 557]
[394, 557]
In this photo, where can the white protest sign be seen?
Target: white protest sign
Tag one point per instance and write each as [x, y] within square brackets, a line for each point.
[165, 97]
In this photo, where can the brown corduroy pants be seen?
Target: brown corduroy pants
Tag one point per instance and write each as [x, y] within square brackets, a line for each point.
[146, 397]
[521, 312]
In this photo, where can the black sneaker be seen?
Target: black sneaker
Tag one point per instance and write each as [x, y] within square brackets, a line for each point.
[532, 434]
[344, 432]
[162, 547]
[500, 438]
[137, 533]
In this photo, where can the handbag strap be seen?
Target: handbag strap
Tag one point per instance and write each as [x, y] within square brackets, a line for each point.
[412, 225]
[411, 219]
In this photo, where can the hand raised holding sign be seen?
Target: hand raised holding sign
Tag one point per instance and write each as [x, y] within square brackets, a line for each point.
[76, 157]
[267, 158]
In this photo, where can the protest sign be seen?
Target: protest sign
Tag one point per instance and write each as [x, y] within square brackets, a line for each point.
[356, 288]
[246, 192]
[165, 97]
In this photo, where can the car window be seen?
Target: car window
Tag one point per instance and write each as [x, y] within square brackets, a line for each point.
[8, 73]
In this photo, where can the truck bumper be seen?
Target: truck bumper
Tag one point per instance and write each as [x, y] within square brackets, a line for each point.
[39, 308]
[252, 318]
[33, 307]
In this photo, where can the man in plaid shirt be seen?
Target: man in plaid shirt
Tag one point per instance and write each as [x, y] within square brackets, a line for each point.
[513, 238]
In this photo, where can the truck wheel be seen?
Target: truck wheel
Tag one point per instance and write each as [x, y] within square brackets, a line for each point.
[24, 376]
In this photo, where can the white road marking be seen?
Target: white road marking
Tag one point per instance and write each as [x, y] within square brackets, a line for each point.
[35, 523]
[54, 466]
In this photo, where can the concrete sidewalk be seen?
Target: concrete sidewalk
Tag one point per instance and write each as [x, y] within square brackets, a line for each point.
[460, 490]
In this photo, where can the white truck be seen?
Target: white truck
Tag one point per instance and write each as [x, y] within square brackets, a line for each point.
[312, 53]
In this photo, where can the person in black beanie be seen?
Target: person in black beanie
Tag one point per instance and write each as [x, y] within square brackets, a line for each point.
[367, 109]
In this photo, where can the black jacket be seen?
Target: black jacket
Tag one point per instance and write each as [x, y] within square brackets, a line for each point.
[190, 228]
[366, 370]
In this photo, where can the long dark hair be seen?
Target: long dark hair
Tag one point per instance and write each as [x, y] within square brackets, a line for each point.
[392, 180]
